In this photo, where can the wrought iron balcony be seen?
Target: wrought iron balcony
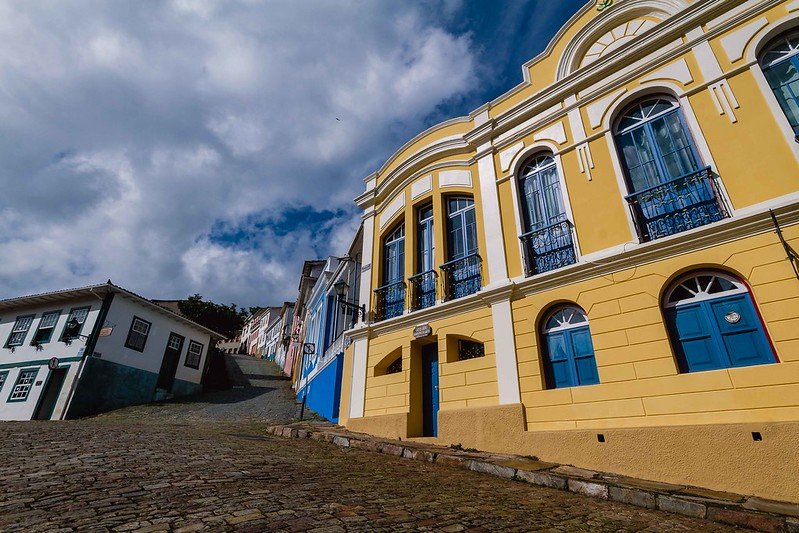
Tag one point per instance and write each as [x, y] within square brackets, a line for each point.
[390, 301]
[548, 248]
[423, 290]
[462, 277]
[678, 205]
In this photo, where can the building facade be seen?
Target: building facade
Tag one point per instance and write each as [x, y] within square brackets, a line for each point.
[587, 268]
[311, 270]
[319, 383]
[281, 337]
[83, 351]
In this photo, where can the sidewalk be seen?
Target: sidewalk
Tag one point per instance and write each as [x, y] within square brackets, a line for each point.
[732, 509]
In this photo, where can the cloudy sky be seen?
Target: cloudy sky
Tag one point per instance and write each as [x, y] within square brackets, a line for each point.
[210, 146]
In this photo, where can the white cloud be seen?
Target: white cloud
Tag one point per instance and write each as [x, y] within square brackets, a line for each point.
[128, 137]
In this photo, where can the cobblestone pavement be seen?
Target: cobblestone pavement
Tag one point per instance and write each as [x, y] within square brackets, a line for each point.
[151, 470]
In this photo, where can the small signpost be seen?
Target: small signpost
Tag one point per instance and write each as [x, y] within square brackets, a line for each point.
[53, 363]
[309, 348]
[106, 331]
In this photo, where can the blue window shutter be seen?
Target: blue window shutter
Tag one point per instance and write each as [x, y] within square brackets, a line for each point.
[741, 331]
[584, 360]
[695, 344]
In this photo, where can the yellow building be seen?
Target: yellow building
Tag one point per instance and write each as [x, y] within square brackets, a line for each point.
[586, 269]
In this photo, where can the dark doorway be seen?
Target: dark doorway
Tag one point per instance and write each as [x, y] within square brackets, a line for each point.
[50, 394]
[166, 377]
[430, 390]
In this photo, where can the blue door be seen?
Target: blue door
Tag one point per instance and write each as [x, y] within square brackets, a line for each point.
[430, 390]
[718, 333]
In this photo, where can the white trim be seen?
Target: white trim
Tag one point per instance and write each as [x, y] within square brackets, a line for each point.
[735, 44]
[721, 19]
[677, 71]
[507, 156]
[708, 62]
[505, 353]
[421, 186]
[492, 221]
[618, 171]
[358, 382]
[703, 296]
[555, 132]
[454, 178]
[560, 327]
[365, 290]
[392, 209]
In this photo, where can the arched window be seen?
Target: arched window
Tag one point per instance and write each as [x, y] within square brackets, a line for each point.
[547, 240]
[391, 296]
[670, 189]
[780, 64]
[462, 271]
[655, 143]
[567, 348]
[713, 323]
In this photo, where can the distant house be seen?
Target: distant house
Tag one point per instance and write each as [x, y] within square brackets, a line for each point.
[310, 272]
[83, 351]
[326, 320]
[278, 334]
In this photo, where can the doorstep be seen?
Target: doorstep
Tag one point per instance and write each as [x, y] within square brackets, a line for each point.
[733, 509]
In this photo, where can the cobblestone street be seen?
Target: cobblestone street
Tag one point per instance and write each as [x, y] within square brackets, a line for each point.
[174, 467]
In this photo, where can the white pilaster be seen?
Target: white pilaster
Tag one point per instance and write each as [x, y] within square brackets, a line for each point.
[365, 295]
[492, 223]
[505, 348]
[358, 386]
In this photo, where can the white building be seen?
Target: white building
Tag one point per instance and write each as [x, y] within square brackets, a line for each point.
[82, 351]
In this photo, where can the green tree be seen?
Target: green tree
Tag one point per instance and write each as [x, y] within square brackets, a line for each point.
[224, 319]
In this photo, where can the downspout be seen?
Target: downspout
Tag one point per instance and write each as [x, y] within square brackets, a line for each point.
[91, 342]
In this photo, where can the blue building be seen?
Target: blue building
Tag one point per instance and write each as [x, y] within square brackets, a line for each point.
[326, 320]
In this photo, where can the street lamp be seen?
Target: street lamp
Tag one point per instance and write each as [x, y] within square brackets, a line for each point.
[341, 288]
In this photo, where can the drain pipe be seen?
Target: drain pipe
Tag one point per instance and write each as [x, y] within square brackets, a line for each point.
[91, 342]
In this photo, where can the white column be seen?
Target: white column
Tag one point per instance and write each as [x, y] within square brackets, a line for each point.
[358, 383]
[505, 348]
[365, 295]
[492, 223]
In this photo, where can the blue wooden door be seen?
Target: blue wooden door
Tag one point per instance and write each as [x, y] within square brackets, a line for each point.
[430, 390]
[570, 358]
[719, 333]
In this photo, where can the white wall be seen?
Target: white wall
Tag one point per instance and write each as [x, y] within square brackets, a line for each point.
[120, 317]
[27, 356]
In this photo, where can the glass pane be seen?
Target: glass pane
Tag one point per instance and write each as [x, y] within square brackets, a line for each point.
[48, 320]
[471, 232]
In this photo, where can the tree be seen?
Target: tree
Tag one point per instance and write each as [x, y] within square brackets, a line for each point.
[224, 319]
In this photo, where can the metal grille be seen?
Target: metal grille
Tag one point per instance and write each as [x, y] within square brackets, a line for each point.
[462, 277]
[194, 354]
[390, 301]
[470, 350]
[423, 290]
[685, 203]
[395, 367]
[548, 248]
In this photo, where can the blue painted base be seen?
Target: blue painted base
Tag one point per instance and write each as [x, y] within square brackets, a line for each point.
[324, 390]
[106, 386]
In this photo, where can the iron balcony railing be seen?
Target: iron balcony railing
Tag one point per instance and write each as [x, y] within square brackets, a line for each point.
[678, 205]
[390, 301]
[462, 277]
[423, 290]
[548, 248]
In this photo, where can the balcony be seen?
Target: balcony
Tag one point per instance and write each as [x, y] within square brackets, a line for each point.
[548, 248]
[390, 301]
[462, 277]
[678, 205]
[423, 290]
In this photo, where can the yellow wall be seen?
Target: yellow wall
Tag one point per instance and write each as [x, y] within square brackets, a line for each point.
[641, 389]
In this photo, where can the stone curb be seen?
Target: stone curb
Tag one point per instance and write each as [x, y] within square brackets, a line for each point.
[731, 509]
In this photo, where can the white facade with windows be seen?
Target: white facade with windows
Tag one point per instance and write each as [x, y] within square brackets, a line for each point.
[81, 351]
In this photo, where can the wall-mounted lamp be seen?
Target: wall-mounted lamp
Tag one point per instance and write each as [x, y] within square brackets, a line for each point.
[342, 287]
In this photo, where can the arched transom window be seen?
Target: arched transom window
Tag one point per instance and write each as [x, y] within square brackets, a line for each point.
[713, 323]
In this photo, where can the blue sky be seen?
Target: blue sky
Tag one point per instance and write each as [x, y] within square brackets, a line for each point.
[182, 146]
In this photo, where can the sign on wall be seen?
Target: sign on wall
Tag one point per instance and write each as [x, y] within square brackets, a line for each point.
[420, 332]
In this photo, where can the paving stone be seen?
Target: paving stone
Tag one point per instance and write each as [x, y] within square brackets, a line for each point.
[211, 474]
[492, 469]
[792, 525]
[712, 494]
[391, 449]
[595, 490]
[543, 479]
[770, 506]
[756, 521]
[632, 496]
[680, 506]
[573, 471]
